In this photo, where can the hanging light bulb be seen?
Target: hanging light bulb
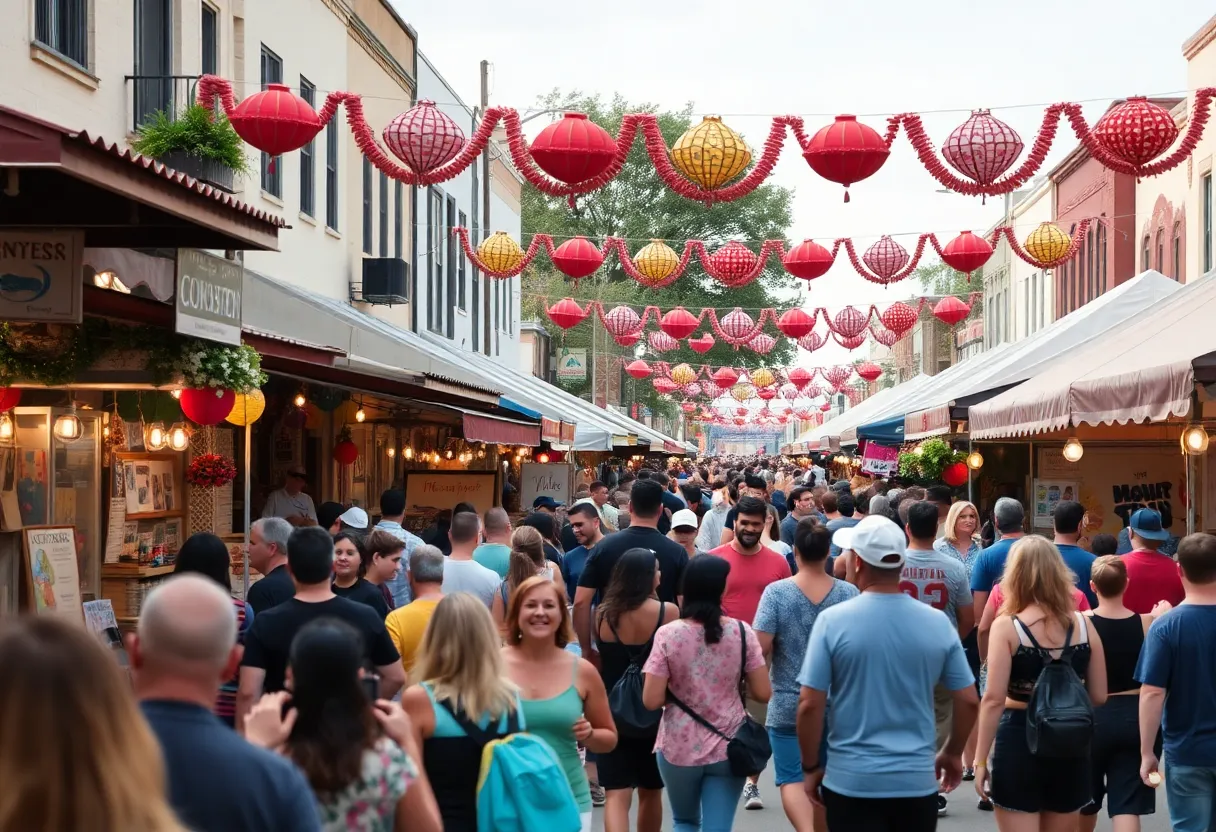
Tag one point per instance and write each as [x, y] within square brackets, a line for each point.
[542, 458]
[105, 432]
[481, 453]
[179, 436]
[177, 394]
[67, 426]
[975, 461]
[1194, 440]
[360, 414]
[1073, 451]
[392, 452]
[449, 453]
[409, 452]
[299, 400]
[156, 438]
[6, 426]
[918, 450]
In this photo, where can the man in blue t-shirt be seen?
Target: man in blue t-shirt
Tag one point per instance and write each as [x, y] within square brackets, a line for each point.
[882, 653]
[1177, 674]
[1008, 515]
[585, 523]
[1067, 519]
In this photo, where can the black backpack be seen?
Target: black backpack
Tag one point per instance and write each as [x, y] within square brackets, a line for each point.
[625, 699]
[1060, 715]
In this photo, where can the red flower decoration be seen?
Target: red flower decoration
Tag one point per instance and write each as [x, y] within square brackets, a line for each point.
[210, 471]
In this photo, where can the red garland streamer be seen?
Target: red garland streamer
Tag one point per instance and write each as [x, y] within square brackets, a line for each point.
[834, 375]
[211, 87]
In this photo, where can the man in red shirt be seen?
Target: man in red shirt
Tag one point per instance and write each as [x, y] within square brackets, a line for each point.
[1151, 576]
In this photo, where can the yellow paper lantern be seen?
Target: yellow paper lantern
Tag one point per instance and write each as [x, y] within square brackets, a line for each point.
[500, 253]
[682, 374]
[656, 261]
[711, 154]
[763, 378]
[742, 392]
[247, 408]
[1047, 243]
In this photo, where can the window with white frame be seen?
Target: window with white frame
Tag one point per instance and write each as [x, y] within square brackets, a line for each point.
[308, 157]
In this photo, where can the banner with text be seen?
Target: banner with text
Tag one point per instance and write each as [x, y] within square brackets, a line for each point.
[879, 460]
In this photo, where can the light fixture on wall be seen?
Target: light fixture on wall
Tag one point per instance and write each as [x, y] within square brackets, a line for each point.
[392, 452]
[1194, 440]
[67, 427]
[1073, 450]
[408, 453]
[177, 394]
[299, 400]
[156, 438]
[6, 427]
[360, 414]
[975, 460]
[542, 458]
[178, 437]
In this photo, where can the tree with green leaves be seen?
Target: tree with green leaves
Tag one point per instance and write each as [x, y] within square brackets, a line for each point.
[637, 206]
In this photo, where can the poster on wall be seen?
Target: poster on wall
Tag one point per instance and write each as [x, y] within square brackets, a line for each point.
[544, 480]
[52, 570]
[1047, 493]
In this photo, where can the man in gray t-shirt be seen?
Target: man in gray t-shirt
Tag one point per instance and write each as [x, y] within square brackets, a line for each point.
[932, 577]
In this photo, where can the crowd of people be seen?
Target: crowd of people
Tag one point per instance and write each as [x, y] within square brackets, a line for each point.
[671, 633]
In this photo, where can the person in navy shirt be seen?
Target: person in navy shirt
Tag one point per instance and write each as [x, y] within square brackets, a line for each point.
[1177, 674]
[1067, 519]
[1008, 515]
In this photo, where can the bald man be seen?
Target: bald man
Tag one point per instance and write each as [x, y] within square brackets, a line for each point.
[183, 649]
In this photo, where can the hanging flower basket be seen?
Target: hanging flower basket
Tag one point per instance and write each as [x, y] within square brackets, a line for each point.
[200, 364]
[210, 471]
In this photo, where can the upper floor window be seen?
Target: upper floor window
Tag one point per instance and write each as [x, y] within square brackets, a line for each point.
[1177, 251]
[383, 214]
[1206, 196]
[367, 205]
[272, 175]
[331, 174]
[209, 35]
[63, 25]
[399, 219]
[308, 157]
[1160, 250]
[1145, 254]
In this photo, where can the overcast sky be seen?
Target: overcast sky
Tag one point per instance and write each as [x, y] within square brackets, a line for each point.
[750, 61]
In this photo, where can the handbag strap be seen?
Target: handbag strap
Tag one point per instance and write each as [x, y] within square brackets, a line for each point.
[700, 720]
[742, 665]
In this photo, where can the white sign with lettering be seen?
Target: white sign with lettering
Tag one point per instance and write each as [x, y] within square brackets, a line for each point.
[208, 296]
[544, 480]
[41, 277]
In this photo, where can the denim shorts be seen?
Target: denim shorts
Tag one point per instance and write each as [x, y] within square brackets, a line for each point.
[787, 756]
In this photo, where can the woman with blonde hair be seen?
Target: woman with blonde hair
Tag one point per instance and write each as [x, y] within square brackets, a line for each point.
[527, 560]
[462, 681]
[76, 754]
[1038, 624]
[563, 696]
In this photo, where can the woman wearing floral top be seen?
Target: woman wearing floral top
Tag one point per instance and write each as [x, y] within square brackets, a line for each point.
[358, 755]
[697, 659]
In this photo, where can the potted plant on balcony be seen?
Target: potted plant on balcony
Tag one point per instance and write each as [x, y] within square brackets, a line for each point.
[196, 142]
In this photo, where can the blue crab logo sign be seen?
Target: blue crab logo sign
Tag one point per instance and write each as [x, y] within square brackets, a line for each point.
[41, 277]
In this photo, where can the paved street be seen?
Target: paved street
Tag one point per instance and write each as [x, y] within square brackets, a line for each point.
[963, 816]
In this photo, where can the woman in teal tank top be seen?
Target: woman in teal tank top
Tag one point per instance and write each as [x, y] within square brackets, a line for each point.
[563, 696]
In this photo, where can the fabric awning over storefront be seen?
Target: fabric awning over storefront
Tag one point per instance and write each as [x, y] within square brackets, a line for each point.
[1101, 319]
[494, 430]
[1146, 371]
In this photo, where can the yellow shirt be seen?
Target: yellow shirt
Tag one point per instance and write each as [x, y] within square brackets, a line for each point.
[406, 626]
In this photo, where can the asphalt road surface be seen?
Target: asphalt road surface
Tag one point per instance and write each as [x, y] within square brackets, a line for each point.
[963, 816]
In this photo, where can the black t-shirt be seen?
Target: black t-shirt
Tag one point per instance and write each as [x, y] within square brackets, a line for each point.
[730, 518]
[365, 592]
[672, 559]
[268, 641]
[569, 541]
[271, 590]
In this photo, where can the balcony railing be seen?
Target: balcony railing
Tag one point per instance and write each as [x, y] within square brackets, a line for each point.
[149, 94]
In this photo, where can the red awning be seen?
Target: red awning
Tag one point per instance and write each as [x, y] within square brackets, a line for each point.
[550, 430]
[491, 429]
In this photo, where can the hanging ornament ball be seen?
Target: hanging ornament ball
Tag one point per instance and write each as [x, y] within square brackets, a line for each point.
[846, 151]
[766, 393]
[275, 120]
[899, 317]
[566, 313]
[326, 399]
[688, 407]
[682, 374]
[733, 263]
[725, 377]
[703, 344]
[247, 408]
[665, 385]
[10, 397]
[950, 310]
[852, 342]
[850, 322]
[789, 391]
[679, 323]
[1136, 131]
[885, 258]
[346, 452]
[800, 377]
[763, 377]
[737, 325]
[869, 370]
[638, 369]
[627, 340]
[955, 474]
[795, 323]
[577, 258]
[884, 336]
[424, 137]
[207, 405]
[762, 344]
[1047, 243]
[710, 154]
[966, 252]
[807, 260]
[825, 407]
[742, 392]
[661, 342]
[656, 261]
[500, 253]
[622, 320]
[811, 341]
[574, 149]
[982, 148]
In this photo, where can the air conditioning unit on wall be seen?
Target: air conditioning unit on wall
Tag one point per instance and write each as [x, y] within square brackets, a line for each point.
[386, 280]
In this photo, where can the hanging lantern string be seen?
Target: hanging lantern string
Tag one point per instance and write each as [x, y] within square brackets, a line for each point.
[1120, 141]
[595, 305]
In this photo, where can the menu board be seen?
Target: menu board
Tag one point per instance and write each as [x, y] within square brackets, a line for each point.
[428, 492]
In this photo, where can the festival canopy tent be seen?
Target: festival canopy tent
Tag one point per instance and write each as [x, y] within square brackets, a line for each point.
[844, 426]
[1102, 319]
[1147, 373]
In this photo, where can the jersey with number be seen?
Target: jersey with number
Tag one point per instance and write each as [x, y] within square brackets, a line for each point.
[936, 579]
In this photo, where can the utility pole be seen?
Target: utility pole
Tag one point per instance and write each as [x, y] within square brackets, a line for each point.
[487, 322]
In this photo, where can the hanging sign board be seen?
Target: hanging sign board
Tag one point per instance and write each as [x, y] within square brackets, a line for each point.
[41, 276]
[208, 297]
[879, 460]
[572, 365]
[544, 480]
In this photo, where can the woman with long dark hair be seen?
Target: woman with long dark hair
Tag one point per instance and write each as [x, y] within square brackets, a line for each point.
[350, 567]
[548, 527]
[696, 662]
[359, 755]
[627, 620]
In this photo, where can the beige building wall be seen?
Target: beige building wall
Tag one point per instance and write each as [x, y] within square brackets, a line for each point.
[1200, 53]
[1032, 290]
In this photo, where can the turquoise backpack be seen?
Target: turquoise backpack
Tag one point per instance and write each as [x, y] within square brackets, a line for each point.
[521, 786]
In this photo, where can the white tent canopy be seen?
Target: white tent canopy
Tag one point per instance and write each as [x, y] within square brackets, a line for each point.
[844, 426]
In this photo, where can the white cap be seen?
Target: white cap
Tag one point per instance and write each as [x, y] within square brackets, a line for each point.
[354, 517]
[876, 540]
[684, 518]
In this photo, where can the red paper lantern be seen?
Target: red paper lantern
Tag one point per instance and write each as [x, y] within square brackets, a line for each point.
[703, 344]
[762, 344]
[737, 324]
[851, 343]
[725, 377]
[638, 369]
[899, 317]
[885, 258]
[688, 407]
[679, 323]
[733, 262]
[955, 474]
[982, 148]
[811, 341]
[346, 452]
[665, 385]
[795, 323]
[424, 137]
[850, 322]
[825, 407]
[1136, 131]
[846, 151]
[966, 253]
[766, 394]
[950, 310]
[207, 405]
[566, 313]
[868, 370]
[627, 340]
[884, 336]
[10, 397]
[577, 258]
[275, 120]
[661, 342]
[621, 320]
[807, 260]
[573, 149]
[800, 377]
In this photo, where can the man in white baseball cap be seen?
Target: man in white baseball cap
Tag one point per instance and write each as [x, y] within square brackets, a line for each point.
[354, 518]
[882, 653]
